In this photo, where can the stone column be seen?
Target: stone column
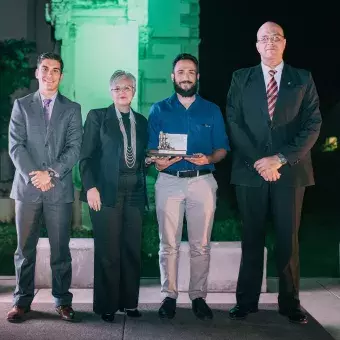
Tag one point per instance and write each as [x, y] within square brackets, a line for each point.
[173, 28]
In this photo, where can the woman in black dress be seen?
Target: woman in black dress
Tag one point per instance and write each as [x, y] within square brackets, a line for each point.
[113, 178]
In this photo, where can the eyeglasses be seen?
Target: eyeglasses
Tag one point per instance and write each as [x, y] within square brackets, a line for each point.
[123, 89]
[271, 38]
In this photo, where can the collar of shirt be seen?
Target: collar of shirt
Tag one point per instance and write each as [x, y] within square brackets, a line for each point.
[176, 103]
[277, 76]
[53, 98]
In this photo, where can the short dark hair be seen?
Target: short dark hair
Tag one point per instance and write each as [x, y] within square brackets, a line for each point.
[52, 56]
[185, 56]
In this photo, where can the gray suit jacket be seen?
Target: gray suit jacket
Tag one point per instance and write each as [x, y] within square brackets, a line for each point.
[32, 146]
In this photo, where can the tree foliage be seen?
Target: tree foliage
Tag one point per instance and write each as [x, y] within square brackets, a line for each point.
[15, 73]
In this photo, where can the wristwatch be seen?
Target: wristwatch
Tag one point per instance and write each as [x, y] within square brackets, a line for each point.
[148, 160]
[282, 159]
[51, 173]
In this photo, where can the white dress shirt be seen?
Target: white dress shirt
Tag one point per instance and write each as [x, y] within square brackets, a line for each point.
[277, 76]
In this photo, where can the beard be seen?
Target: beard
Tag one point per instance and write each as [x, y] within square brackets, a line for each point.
[190, 92]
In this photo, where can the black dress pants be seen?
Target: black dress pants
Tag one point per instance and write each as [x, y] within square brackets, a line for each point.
[285, 204]
[117, 240]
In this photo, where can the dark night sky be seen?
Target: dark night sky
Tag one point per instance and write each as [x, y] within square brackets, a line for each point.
[228, 35]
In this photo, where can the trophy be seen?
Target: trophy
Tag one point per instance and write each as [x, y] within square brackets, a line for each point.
[170, 145]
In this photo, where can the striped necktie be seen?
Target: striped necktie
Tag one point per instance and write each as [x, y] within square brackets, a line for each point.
[272, 93]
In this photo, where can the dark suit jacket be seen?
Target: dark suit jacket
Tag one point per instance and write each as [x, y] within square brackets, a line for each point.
[32, 146]
[293, 131]
[101, 151]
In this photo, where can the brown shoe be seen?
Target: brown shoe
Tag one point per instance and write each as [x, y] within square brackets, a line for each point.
[16, 314]
[66, 313]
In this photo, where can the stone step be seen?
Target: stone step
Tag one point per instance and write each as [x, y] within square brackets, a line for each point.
[224, 265]
[7, 210]
[82, 252]
[225, 259]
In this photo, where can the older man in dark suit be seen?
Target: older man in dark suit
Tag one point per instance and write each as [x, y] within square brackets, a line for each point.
[274, 120]
[45, 135]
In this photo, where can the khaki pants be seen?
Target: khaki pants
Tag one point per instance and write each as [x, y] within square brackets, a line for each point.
[197, 198]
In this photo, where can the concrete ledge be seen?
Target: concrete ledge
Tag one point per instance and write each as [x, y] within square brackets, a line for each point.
[7, 210]
[225, 262]
[82, 252]
[224, 265]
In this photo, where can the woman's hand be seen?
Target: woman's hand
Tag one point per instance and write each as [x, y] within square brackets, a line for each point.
[93, 199]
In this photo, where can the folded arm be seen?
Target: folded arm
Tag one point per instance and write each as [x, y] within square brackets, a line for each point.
[90, 143]
[18, 152]
[311, 121]
[70, 154]
[238, 137]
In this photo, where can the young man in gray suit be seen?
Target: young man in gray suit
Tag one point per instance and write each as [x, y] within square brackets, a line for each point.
[45, 135]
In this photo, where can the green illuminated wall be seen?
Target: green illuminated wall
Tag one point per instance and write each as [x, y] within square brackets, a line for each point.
[141, 36]
[97, 54]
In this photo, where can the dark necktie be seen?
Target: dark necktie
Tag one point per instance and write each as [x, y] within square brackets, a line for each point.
[46, 109]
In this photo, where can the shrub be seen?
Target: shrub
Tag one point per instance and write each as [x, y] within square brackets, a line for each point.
[15, 73]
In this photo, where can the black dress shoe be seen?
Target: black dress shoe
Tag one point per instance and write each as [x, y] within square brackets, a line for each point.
[168, 308]
[240, 312]
[108, 317]
[295, 315]
[201, 309]
[133, 313]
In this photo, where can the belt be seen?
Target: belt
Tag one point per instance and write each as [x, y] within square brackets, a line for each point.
[187, 173]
